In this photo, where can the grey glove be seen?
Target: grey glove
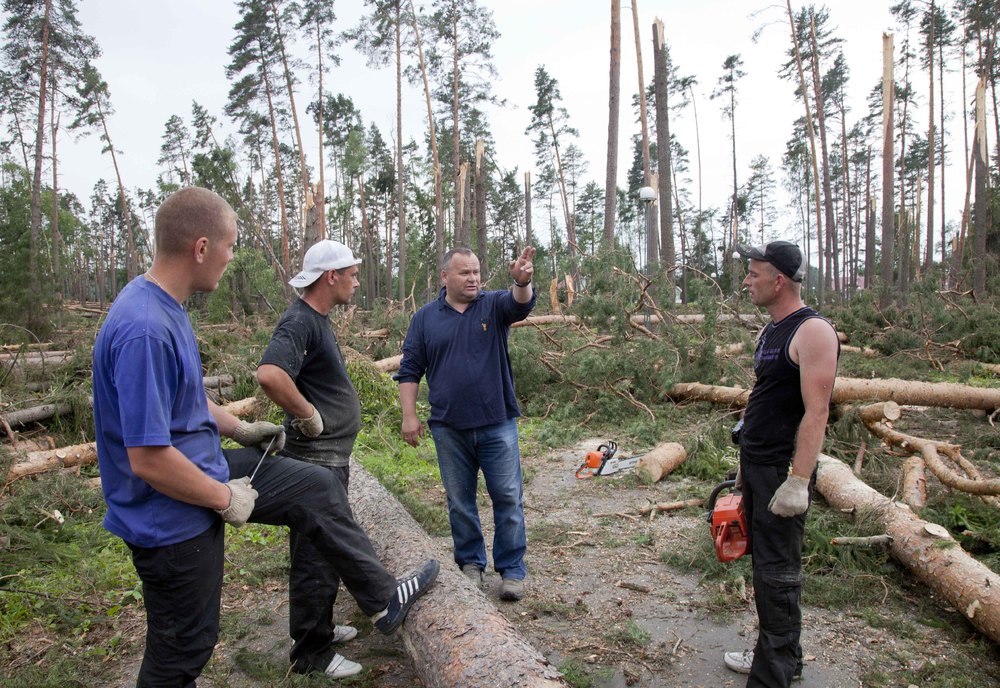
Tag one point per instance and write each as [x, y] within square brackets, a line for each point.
[311, 426]
[259, 434]
[739, 478]
[241, 500]
[792, 498]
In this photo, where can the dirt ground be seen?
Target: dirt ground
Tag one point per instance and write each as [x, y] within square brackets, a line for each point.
[589, 577]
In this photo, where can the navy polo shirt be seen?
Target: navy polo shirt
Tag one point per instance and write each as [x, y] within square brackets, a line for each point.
[465, 358]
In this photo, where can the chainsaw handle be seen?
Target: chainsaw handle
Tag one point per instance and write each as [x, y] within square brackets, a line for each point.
[726, 484]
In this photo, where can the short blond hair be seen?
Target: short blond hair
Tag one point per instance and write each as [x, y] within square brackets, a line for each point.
[188, 214]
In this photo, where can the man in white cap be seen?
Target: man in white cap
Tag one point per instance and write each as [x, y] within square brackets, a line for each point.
[303, 372]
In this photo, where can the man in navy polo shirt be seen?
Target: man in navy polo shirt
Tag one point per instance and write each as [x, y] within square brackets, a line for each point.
[459, 342]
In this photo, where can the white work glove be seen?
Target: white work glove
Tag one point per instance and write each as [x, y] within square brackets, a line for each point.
[792, 498]
[311, 426]
[259, 434]
[241, 500]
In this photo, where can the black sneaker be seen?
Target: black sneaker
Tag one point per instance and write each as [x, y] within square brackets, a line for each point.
[409, 589]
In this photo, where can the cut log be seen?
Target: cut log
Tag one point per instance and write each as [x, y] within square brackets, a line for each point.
[454, 634]
[85, 454]
[47, 356]
[884, 411]
[695, 391]
[968, 585]
[848, 389]
[863, 350]
[375, 334]
[941, 394]
[216, 381]
[915, 483]
[671, 506]
[870, 541]
[36, 413]
[661, 460]
[388, 365]
[64, 457]
[37, 360]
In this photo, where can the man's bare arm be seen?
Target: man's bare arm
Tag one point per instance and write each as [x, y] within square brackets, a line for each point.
[814, 348]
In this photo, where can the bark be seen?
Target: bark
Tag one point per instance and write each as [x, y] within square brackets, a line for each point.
[931, 141]
[527, 209]
[47, 460]
[35, 358]
[279, 177]
[661, 460]
[303, 170]
[400, 171]
[914, 483]
[480, 206]
[830, 264]
[665, 192]
[387, 365]
[614, 88]
[456, 637]
[888, 154]
[672, 506]
[847, 389]
[965, 583]
[812, 150]
[438, 193]
[980, 229]
[36, 184]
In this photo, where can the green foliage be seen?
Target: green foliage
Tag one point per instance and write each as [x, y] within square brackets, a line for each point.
[21, 303]
[630, 634]
[249, 286]
[929, 320]
[377, 392]
[576, 674]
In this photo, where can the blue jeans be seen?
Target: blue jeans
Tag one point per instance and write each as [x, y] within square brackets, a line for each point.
[461, 455]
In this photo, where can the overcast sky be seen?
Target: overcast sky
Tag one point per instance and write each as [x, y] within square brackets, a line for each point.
[159, 56]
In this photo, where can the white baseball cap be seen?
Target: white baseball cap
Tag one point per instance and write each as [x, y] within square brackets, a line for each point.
[322, 256]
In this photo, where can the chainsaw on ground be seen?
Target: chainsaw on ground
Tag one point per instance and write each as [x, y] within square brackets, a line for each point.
[604, 462]
[728, 522]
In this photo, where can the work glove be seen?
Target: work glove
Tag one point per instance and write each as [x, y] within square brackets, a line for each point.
[311, 426]
[792, 498]
[739, 479]
[241, 500]
[259, 434]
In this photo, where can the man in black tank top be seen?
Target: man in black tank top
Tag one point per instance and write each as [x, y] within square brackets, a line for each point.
[783, 429]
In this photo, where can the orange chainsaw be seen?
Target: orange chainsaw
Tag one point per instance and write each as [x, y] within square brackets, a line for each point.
[728, 522]
[604, 462]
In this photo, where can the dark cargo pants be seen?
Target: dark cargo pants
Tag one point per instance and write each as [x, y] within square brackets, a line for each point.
[776, 550]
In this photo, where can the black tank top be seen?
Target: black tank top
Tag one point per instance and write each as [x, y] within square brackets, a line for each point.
[775, 407]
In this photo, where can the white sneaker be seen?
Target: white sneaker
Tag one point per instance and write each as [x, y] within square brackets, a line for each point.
[341, 667]
[740, 662]
[341, 634]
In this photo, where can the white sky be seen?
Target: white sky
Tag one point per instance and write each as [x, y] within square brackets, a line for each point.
[159, 56]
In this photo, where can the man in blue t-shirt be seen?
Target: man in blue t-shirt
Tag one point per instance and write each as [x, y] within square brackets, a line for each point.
[459, 342]
[165, 478]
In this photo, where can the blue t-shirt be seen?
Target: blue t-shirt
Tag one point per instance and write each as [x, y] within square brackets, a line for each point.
[465, 358]
[149, 392]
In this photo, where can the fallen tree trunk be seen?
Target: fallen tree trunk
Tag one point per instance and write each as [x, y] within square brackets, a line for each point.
[965, 583]
[46, 460]
[455, 635]
[86, 454]
[849, 389]
[388, 365]
[661, 460]
[39, 355]
[46, 411]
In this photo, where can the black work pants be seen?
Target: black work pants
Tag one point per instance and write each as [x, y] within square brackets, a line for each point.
[182, 583]
[312, 592]
[181, 590]
[776, 550]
